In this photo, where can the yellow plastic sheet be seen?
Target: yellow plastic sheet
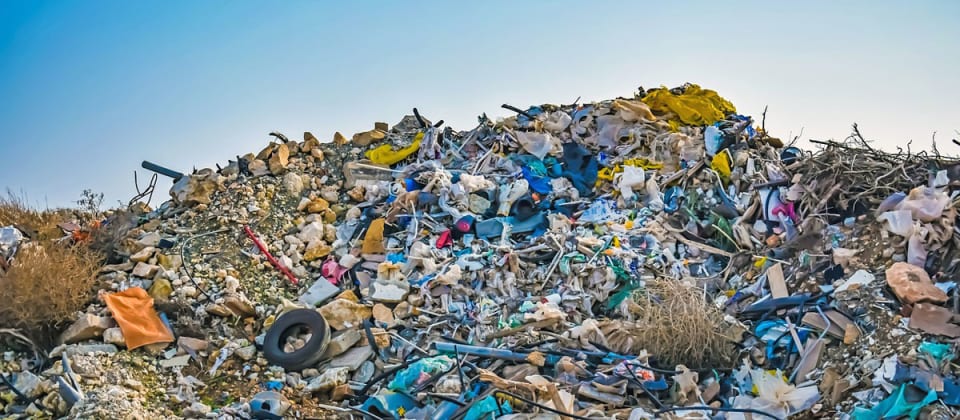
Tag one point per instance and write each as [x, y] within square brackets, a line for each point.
[373, 241]
[385, 155]
[721, 164]
[696, 106]
[606, 174]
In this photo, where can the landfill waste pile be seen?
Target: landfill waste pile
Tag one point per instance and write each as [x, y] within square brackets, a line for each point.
[656, 256]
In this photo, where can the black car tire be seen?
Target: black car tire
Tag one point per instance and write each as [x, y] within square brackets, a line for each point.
[288, 324]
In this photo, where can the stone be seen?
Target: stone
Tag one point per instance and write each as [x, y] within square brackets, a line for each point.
[150, 239]
[196, 410]
[311, 234]
[196, 188]
[75, 349]
[339, 139]
[113, 336]
[317, 205]
[330, 379]
[170, 262]
[383, 314]
[114, 268]
[160, 289]
[218, 310]
[342, 313]
[911, 284]
[388, 291]
[933, 319]
[310, 142]
[367, 138]
[188, 291]
[190, 343]
[341, 392]
[341, 342]
[279, 159]
[239, 306]
[144, 270]
[353, 358]
[259, 168]
[88, 326]
[380, 336]
[246, 353]
[143, 255]
[317, 251]
[292, 184]
[178, 361]
[319, 292]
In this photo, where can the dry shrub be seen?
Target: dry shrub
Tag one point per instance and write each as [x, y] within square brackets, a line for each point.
[46, 285]
[675, 324]
[14, 210]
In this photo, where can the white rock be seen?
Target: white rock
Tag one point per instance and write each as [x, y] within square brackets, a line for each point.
[144, 255]
[144, 270]
[292, 183]
[188, 291]
[246, 353]
[150, 239]
[113, 336]
[311, 234]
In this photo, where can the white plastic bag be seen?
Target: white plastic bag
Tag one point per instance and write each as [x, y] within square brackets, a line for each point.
[926, 204]
[899, 222]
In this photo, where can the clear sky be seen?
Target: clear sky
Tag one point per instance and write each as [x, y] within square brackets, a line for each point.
[90, 88]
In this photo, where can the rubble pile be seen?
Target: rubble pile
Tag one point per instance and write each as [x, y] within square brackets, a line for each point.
[658, 256]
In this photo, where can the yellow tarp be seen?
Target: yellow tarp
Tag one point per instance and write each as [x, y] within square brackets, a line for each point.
[696, 106]
[385, 155]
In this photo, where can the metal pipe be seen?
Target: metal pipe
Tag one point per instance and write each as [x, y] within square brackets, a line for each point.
[150, 166]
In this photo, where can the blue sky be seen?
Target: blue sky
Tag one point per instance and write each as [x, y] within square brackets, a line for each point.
[88, 89]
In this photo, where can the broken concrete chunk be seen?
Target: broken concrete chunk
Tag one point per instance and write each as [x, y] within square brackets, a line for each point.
[194, 344]
[113, 336]
[911, 284]
[239, 305]
[391, 292]
[88, 326]
[292, 184]
[143, 255]
[353, 358]
[319, 292]
[178, 361]
[196, 410]
[328, 380]
[341, 342]
[933, 319]
[342, 313]
[144, 270]
[151, 239]
[279, 160]
[246, 353]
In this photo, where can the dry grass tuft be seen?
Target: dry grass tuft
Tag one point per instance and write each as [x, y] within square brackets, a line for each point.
[46, 285]
[675, 324]
[15, 211]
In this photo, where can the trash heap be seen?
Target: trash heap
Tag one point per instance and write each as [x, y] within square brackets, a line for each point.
[648, 257]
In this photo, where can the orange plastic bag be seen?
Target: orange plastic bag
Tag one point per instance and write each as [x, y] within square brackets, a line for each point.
[139, 322]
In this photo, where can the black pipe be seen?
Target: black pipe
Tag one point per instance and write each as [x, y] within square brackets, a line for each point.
[150, 166]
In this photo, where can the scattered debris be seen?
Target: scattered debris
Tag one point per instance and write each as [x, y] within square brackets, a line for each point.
[644, 257]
